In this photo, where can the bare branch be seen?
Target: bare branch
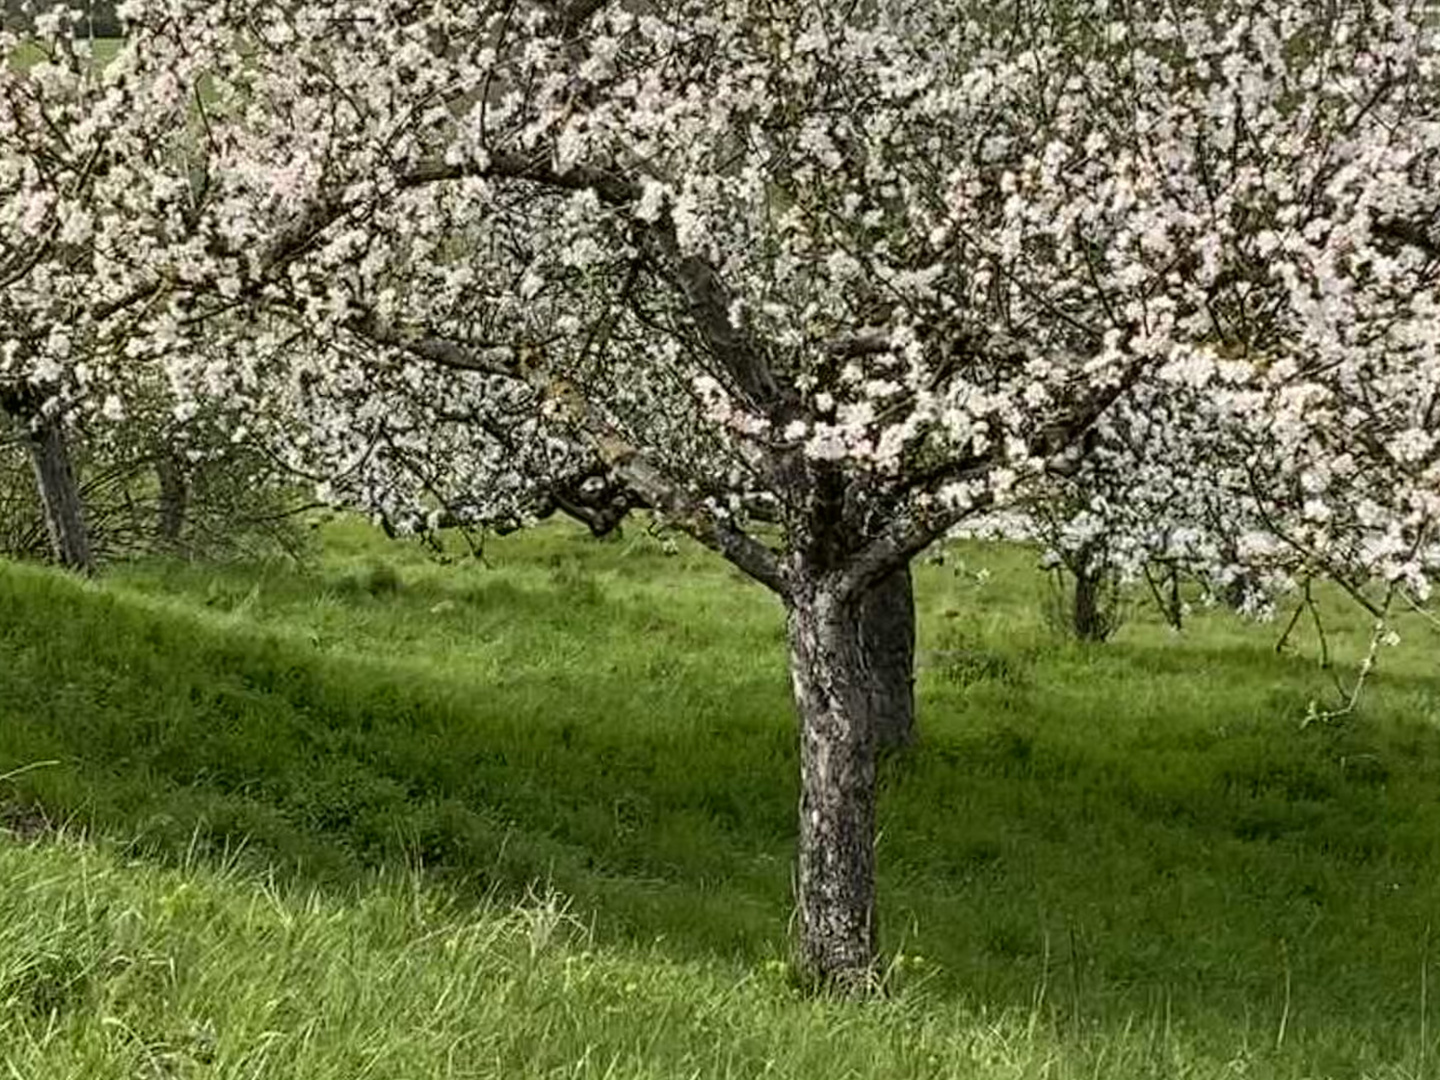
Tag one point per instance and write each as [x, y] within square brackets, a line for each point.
[612, 188]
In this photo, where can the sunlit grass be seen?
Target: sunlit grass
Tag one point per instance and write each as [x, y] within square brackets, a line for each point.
[1127, 860]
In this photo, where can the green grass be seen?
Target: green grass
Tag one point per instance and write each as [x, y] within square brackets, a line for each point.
[1127, 860]
[102, 50]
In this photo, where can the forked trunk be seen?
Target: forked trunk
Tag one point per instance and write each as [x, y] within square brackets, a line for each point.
[887, 634]
[836, 881]
[59, 494]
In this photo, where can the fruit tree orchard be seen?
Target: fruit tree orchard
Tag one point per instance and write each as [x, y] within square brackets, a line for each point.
[883, 265]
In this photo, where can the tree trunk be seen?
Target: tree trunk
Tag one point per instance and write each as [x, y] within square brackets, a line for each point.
[1088, 622]
[174, 497]
[1177, 609]
[59, 494]
[836, 881]
[887, 635]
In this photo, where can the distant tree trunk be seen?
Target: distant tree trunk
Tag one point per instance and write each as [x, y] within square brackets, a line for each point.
[887, 636]
[836, 880]
[174, 497]
[59, 493]
[1237, 590]
[1088, 622]
[1168, 600]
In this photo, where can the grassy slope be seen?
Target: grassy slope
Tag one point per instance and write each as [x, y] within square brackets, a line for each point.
[1112, 860]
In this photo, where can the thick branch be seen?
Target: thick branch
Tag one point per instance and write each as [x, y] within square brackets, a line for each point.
[299, 233]
[612, 188]
[144, 291]
[17, 402]
[685, 511]
[871, 341]
[908, 534]
[501, 360]
[709, 299]
[1065, 433]
[711, 302]
[1411, 234]
[912, 532]
[930, 481]
[625, 461]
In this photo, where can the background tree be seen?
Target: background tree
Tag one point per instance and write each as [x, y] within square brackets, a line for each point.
[1160, 502]
[95, 173]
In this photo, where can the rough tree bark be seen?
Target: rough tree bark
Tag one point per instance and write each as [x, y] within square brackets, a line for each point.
[59, 493]
[836, 879]
[887, 635]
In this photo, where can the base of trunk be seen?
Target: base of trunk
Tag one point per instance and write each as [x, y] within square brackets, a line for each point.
[836, 880]
[60, 495]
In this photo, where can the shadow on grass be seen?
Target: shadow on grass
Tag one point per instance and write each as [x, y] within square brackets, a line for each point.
[637, 799]
[1086, 841]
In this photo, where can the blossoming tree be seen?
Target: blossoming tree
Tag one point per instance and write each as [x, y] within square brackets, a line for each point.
[92, 179]
[883, 265]
[1162, 491]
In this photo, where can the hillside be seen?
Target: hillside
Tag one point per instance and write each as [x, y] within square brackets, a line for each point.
[1125, 860]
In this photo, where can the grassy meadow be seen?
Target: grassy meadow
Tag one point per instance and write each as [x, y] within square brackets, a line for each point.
[531, 816]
